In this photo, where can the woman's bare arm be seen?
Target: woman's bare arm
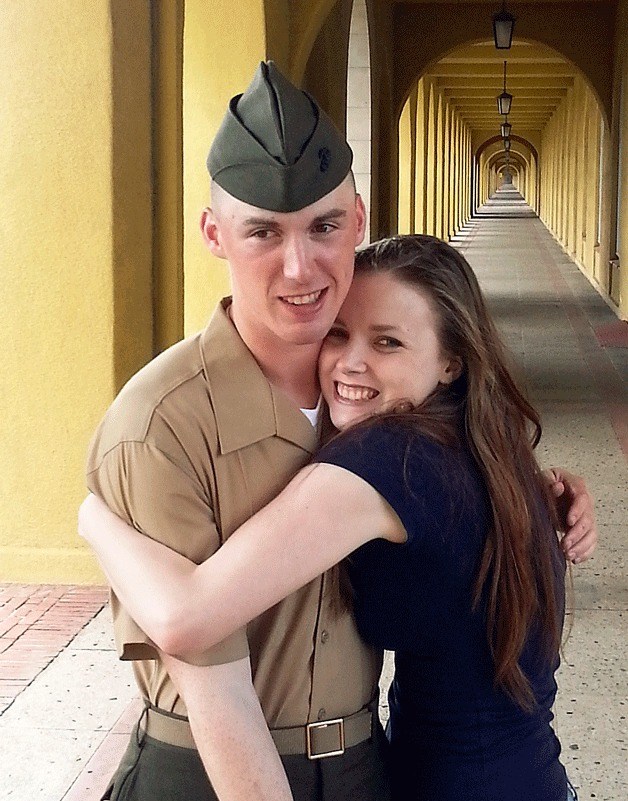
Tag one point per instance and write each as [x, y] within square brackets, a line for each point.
[323, 515]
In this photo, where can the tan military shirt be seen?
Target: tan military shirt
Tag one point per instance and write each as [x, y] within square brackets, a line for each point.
[195, 444]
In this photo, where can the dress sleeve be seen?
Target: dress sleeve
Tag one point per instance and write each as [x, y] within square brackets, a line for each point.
[146, 488]
[392, 459]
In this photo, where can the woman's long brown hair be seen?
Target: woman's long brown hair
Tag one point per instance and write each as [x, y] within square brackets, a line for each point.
[517, 579]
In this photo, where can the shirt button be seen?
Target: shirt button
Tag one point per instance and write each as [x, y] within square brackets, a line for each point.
[322, 713]
[324, 636]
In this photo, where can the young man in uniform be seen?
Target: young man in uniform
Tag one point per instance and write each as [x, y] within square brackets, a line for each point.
[208, 433]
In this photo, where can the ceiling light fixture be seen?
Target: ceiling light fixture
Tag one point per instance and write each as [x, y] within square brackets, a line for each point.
[503, 26]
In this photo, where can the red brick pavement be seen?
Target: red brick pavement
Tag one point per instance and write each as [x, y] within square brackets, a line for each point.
[36, 623]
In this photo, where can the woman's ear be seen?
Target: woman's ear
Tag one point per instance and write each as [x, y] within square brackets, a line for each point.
[451, 370]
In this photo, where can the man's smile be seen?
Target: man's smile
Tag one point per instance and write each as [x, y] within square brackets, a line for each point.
[303, 300]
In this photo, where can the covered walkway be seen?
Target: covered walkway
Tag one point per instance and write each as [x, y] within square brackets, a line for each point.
[76, 703]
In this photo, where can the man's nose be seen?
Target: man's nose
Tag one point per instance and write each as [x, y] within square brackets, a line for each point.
[297, 262]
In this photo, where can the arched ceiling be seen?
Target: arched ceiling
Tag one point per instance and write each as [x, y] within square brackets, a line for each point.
[472, 77]
[570, 37]
[514, 138]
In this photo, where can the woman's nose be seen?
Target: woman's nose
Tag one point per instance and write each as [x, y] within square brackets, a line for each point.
[352, 359]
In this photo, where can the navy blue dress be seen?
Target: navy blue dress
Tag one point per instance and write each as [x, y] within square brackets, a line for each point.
[454, 737]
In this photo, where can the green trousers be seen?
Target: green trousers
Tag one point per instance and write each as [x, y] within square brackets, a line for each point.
[154, 771]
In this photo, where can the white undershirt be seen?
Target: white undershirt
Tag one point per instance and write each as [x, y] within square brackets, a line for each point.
[314, 414]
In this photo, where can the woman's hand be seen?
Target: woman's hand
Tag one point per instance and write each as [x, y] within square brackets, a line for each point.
[93, 517]
[575, 510]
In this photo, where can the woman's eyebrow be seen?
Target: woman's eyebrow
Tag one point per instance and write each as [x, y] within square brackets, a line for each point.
[382, 328]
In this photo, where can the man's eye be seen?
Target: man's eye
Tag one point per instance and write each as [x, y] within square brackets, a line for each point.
[262, 233]
[324, 228]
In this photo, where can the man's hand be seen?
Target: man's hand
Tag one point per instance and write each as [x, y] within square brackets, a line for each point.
[575, 512]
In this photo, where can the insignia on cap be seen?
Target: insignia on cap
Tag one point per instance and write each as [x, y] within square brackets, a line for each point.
[324, 157]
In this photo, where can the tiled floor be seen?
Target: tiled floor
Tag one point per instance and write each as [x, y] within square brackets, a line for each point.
[66, 702]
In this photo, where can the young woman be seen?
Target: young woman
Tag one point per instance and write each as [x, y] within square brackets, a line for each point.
[433, 488]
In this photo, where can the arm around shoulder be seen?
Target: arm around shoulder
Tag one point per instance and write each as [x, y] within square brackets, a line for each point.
[163, 503]
[324, 514]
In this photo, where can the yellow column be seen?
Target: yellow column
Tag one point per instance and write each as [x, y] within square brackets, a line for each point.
[453, 175]
[592, 186]
[555, 187]
[75, 202]
[566, 180]
[559, 140]
[167, 129]
[623, 186]
[446, 168]
[572, 182]
[438, 194]
[459, 174]
[420, 173]
[405, 144]
[466, 160]
[431, 163]
[412, 165]
[582, 163]
[239, 41]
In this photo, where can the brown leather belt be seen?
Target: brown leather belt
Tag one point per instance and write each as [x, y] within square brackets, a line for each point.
[324, 738]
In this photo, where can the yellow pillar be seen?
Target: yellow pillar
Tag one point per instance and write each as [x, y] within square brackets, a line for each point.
[592, 187]
[555, 187]
[438, 188]
[458, 175]
[572, 181]
[466, 160]
[447, 171]
[623, 138]
[75, 260]
[405, 145]
[566, 210]
[582, 164]
[219, 60]
[431, 163]
[420, 173]
[561, 175]
[453, 174]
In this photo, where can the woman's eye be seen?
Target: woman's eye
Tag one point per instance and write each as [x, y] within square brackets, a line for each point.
[389, 342]
[337, 333]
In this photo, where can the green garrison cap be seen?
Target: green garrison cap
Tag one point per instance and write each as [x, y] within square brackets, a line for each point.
[276, 149]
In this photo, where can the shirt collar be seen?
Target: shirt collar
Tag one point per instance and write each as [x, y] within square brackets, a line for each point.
[247, 407]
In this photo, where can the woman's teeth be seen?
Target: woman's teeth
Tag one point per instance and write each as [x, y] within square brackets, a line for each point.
[355, 393]
[302, 300]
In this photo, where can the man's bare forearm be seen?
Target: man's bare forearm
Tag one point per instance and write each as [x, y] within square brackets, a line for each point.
[230, 731]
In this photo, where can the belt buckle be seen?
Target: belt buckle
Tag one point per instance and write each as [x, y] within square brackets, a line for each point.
[323, 724]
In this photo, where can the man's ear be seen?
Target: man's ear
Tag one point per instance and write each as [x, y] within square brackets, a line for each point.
[360, 209]
[211, 233]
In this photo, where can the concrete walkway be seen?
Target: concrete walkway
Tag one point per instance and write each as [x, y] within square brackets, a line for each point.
[66, 703]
